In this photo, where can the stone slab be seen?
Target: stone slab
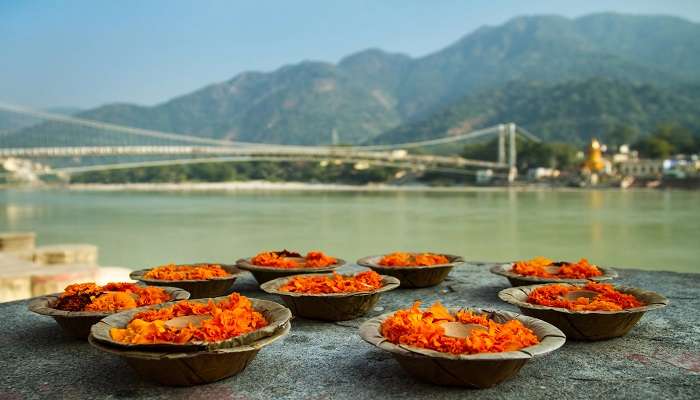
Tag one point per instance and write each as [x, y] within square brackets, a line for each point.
[660, 358]
[66, 254]
[15, 277]
[17, 241]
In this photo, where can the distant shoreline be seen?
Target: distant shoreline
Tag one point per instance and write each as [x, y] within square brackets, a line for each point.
[303, 186]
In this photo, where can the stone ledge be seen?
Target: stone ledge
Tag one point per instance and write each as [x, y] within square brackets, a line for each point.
[660, 358]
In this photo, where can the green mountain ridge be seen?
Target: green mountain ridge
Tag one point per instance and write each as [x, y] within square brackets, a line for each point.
[372, 92]
[573, 111]
[546, 48]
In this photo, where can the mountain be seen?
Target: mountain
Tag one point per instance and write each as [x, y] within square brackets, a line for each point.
[653, 49]
[300, 104]
[371, 92]
[572, 111]
[11, 121]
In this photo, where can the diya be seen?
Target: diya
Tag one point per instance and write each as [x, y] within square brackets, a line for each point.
[331, 297]
[544, 270]
[200, 280]
[413, 269]
[592, 311]
[463, 347]
[84, 304]
[271, 265]
[192, 342]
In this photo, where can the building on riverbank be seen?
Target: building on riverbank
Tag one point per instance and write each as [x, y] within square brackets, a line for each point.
[641, 168]
[626, 167]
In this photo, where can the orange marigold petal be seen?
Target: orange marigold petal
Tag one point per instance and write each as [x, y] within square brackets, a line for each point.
[172, 272]
[286, 259]
[336, 283]
[232, 317]
[608, 299]
[538, 267]
[401, 259]
[415, 327]
[113, 296]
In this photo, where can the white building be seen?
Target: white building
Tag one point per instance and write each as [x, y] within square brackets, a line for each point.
[641, 168]
[542, 173]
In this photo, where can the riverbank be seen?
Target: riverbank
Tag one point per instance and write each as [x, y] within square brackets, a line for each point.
[659, 358]
[305, 186]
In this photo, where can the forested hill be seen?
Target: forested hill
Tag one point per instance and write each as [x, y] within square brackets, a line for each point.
[570, 112]
[371, 92]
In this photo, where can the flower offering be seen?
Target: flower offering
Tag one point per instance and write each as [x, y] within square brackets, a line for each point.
[400, 259]
[288, 259]
[172, 272]
[600, 297]
[205, 322]
[424, 328]
[324, 284]
[110, 297]
[545, 268]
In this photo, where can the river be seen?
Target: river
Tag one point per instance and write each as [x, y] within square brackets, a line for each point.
[653, 230]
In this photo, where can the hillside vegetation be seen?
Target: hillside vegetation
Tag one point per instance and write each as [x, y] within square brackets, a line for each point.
[571, 112]
[643, 61]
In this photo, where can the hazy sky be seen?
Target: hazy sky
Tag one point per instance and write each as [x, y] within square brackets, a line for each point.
[86, 53]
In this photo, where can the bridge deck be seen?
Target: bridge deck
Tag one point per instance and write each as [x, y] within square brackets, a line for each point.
[266, 152]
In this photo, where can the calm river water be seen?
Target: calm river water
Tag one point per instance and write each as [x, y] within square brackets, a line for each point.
[640, 229]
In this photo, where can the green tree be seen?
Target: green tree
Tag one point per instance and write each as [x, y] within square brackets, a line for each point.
[666, 140]
[654, 147]
[621, 134]
[678, 136]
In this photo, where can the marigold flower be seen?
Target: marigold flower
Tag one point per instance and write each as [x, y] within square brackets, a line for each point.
[151, 295]
[414, 327]
[287, 259]
[316, 259]
[76, 296]
[608, 299]
[121, 287]
[112, 301]
[88, 287]
[538, 267]
[400, 259]
[364, 281]
[113, 296]
[274, 259]
[172, 272]
[229, 318]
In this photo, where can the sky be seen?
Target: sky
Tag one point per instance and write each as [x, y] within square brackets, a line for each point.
[83, 54]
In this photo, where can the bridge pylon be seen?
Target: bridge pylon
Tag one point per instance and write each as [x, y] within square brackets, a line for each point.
[501, 144]
[512, 154]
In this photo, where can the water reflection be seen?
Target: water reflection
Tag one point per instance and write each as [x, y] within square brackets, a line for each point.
[595, 199]
[13, 214]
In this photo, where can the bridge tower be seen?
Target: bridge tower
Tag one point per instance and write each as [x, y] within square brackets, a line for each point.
[512, 154]
[501, 144]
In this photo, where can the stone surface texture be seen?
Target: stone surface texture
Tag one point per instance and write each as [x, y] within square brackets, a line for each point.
[660, 358]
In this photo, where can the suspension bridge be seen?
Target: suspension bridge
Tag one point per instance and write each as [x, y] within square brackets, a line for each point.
[189, 149]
